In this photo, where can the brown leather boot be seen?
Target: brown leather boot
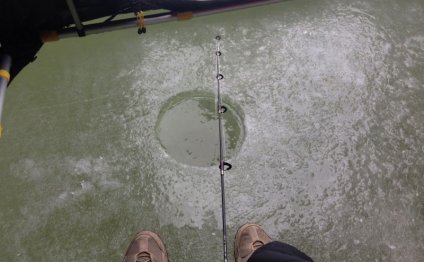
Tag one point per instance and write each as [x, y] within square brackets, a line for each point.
[146, 246]
[249, 237]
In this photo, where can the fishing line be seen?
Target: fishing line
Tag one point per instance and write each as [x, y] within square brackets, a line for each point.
[223, 166]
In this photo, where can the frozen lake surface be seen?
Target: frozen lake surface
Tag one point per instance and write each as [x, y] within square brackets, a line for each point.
[330, 156]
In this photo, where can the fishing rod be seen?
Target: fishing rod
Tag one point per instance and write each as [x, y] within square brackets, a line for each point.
[223, 166]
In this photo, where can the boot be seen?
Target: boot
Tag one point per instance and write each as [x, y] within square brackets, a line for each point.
[249, 237]
[146, 246]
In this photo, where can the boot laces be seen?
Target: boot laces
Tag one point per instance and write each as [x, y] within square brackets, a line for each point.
[144, 257]
[258, 244]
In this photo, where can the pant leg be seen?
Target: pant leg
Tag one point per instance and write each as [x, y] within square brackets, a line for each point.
[278, 252]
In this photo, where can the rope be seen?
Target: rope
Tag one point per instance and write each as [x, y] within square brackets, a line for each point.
[141, 23]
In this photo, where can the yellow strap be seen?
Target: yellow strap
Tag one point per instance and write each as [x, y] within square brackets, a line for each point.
[49, 36]
[184, 16]
[5, 74]
[1, 131]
